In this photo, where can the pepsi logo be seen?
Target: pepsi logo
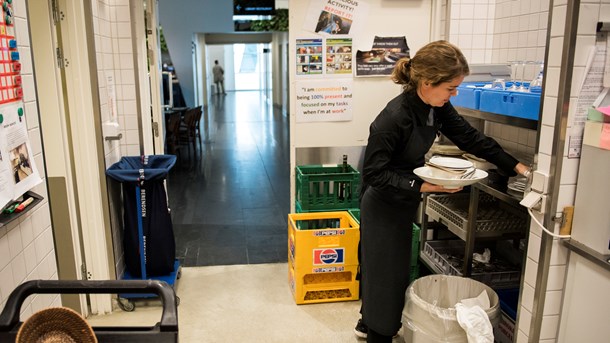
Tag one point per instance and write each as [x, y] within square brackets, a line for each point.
[328, 256]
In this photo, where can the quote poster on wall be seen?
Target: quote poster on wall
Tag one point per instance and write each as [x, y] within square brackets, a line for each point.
[335, 17]
[381, 59]
[339, 56]
[18, 172]
[322, 100]
[309, 56]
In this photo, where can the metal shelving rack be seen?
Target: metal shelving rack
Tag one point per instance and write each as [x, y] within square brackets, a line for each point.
[465, 218]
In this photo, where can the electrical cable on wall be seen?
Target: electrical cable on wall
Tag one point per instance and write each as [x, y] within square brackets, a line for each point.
[545, 229]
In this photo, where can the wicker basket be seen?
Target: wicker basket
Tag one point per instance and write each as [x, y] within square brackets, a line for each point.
[56, 325]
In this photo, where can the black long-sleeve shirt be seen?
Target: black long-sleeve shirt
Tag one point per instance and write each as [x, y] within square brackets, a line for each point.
[385, 166]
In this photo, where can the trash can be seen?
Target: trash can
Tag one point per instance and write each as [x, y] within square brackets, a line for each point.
[148, 241]
[429, 315]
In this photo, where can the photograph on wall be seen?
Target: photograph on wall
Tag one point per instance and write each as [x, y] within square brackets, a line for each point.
[381, 59]
[20, 160]
[339, 56]
[324, 100]
[18, 172]
[309, 56]
[337, 17]
[333, 24]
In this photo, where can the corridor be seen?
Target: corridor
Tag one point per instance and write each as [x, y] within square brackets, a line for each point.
[230, 198]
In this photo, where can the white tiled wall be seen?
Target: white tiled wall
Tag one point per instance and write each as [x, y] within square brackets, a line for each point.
[590, 13]
[472, 28]
[519, 31]
[501, 31]
[27, 250]
[112, 30]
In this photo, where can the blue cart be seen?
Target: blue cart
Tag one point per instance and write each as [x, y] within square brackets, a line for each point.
[148, 243]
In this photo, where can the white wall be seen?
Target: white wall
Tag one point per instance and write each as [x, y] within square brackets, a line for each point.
[27, 249]
[181, 21]
[396, 18]
[586, 309]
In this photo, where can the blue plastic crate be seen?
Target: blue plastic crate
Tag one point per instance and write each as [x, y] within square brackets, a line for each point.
[469, 95]
[514, 104]
[525, 105]
[509, 300]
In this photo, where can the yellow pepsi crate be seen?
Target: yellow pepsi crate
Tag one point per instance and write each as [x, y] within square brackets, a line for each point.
[324, 284]
[322, 239]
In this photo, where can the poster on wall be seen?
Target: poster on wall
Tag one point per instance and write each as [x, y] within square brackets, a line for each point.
[309, 56]
[381, 59]
[339, 56]
[590, 88]
[111, 96]
[18, 172]
[335, 17]
[324, 100]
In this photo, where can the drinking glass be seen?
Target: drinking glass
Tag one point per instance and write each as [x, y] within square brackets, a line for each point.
[537, 81]
[522, 87]
[499, 84]
[513, 75]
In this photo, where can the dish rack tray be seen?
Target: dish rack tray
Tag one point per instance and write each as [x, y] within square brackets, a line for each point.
[446, 256]
[494, 217]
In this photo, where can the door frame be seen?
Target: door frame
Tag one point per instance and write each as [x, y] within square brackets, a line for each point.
[154, 80]
[75, 127]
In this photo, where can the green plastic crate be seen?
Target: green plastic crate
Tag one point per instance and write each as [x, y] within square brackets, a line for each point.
[326, 188]
[414, 245]
[414, 271]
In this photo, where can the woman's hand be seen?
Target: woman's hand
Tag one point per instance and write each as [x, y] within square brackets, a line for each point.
[522, 169]
[427, 187]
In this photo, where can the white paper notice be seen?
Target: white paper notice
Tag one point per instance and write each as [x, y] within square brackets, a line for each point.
[591, 87]
[18, 172]
[607, 65]
[111, 94]
[324, 100]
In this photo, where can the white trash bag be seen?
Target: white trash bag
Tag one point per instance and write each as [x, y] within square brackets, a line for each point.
[430, 314]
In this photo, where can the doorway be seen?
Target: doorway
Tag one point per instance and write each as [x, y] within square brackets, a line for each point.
[247, 66]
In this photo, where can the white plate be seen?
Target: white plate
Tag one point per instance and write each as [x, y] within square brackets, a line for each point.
[428, 175]
[451, 162]
[479, 163]
[516, 187]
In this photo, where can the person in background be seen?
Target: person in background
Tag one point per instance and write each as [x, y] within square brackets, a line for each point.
[399, 138]
[219, 78]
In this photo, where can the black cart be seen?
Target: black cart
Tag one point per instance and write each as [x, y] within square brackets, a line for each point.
[164, 331]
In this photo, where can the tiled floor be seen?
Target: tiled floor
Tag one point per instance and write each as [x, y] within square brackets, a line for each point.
[230, 199]
[245, 303]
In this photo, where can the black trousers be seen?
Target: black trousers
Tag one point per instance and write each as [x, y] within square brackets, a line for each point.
[386, 234]
[374, 337]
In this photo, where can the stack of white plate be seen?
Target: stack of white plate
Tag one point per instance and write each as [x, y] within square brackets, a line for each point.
[449, 167]
[516, 187]
[450, 172]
